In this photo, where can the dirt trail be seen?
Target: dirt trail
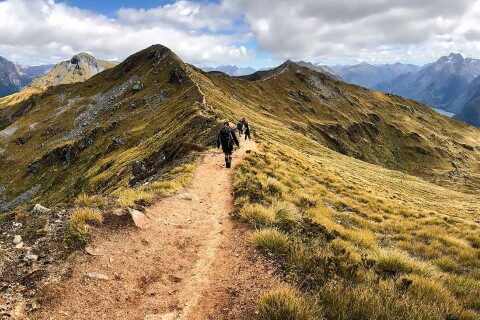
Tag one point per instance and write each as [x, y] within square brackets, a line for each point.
[193, 262]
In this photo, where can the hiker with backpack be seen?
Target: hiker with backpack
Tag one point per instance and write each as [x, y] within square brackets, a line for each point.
[227, 139]
[247, 130]
[240, 128]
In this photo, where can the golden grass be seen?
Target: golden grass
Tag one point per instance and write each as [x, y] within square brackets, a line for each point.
[78, 233]
[257, 214]
[84, 200]
[271, 240]
[369, 243]
[128, 197]
[286, 304]
[395, 262]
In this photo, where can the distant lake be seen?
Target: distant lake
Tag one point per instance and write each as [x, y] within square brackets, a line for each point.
[444, 112]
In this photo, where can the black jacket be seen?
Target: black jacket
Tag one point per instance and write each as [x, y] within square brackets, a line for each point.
[226, 139]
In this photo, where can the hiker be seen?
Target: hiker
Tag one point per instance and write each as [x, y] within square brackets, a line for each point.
[226, 139]
[243, 120]
[247, 131]
[240, 128]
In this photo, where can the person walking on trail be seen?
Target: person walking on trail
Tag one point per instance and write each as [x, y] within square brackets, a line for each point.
[226, 140]
[247, 131]
[240, 128]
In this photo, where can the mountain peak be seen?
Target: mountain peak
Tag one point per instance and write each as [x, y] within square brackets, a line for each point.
[451, 58]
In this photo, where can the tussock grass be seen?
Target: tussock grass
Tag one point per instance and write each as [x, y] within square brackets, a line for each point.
[271, 240]
[287, 304]
[286, 212]
[257, 214]
[78, 233]
[395, 262]
[365, 247]
[84, 200]
[128, 197]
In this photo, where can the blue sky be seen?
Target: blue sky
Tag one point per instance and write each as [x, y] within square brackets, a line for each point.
[257, 33]
[109, 7]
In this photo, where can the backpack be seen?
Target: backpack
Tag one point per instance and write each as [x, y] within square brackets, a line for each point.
[226, 137]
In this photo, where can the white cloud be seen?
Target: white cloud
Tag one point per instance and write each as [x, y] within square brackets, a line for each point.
[376, 30]
[40, 30]
[216, 33]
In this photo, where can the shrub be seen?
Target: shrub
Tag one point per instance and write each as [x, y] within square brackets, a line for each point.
[272, 240]
[286, 304]
[257, 214]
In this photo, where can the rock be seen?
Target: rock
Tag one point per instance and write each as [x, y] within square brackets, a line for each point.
[139, 218]
[139, 170]
[97, 276]
[33, 167]
[28, 257]
[93, 251]
[187, 196]
[137, 86]
[19, 246]
[17, 239]
[40, 209]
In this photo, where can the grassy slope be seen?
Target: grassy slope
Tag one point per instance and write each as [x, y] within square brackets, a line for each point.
[168, 119]
[364, 241]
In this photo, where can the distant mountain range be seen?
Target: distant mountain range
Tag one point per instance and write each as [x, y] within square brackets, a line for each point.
[230, 70]
[451, 83]
[438, 84]
[370, 76]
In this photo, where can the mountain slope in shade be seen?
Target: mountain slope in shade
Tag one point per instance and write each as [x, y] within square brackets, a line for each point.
[370, 76]
[468, 104]
[230, 70]
[11, 78]
[79, 68]
[438, 84]
[320, 68]
[37, 71]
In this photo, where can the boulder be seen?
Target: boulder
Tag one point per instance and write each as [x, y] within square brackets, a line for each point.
[40, 209]
[139, 218]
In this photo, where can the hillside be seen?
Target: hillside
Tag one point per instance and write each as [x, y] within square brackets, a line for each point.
[362, 197]
[360, 241]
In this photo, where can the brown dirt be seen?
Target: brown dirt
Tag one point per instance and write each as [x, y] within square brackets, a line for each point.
[192, 262]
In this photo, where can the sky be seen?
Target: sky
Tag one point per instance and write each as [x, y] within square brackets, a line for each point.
[255, 33]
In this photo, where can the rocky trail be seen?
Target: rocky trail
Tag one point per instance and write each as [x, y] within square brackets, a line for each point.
[191, 262]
